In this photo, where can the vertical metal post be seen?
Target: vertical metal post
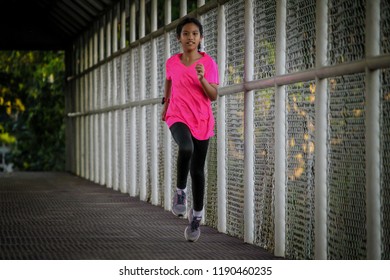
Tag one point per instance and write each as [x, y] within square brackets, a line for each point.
[249, 127]
[114, 28]
[102, 116]
[115, 113]
[86, 108]
[221, 123]
[75, 147]
[91, 127]
[122, 123]
[133, 127]
[183, 8]
[167, 135]
[68, 90]
[321, 111]
[133, 26]
[373, 200]
[200, 3]
[280, 132]
[123, 13]
[109, 102]
[154, 111]
[78, 108]
[96, 96]
[77, 128]
[142, 120]
[82, 103]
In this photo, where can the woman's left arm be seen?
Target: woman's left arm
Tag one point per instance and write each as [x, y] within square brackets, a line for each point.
[211, 90]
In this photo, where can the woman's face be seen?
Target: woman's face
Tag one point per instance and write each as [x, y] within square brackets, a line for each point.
[190, 37]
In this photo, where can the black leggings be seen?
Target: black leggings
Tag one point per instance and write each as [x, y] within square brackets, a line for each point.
[191, 157]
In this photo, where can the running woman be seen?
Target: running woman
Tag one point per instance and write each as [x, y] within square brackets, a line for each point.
[191, 84]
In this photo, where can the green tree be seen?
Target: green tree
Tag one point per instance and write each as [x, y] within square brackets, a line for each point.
[32, 108]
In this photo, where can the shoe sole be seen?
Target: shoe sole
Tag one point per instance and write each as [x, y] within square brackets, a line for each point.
[179, 215]
[186, 236]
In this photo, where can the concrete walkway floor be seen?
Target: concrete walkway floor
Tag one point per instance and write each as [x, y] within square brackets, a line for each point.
[59, 216]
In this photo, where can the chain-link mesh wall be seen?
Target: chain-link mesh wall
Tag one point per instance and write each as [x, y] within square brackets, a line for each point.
[116, 123]
[128, 81]
[97, 129]
[111, 170]
[211, 194]
[139, 153]
[346, 30]
[385, 26]
[160, 86]
[385, 159]
[129, 96]
[148, 155]
[103, 103]
[347, 206]
[148, 94]
[264, 118]
[264, 37]
[137, 115]
[301, 37]
[129, 133]
[264, 114]
[235, 14]
[300, 171]
[235, 164]
[385, 125]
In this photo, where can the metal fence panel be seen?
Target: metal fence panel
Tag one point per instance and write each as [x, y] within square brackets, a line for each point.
[346, 30]
[210, 46]
[347, 168]
[385, 159]
[300, 171]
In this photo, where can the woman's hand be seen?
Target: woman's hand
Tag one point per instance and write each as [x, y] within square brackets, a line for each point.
[163, 113]
[200, 71]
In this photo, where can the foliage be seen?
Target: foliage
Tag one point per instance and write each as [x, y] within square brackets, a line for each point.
[32, 108]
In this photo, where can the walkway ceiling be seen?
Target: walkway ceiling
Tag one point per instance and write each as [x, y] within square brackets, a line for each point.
[46, 24]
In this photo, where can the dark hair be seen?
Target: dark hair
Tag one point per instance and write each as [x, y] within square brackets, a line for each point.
[185, 21]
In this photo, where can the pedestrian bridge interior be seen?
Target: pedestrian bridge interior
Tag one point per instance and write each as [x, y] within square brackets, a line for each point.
[299, 166]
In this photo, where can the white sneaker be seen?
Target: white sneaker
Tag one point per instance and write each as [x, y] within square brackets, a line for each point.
[192, 231]
[179, 207]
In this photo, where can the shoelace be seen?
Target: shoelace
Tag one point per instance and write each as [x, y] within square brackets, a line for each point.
[195, 224]
[181, 198]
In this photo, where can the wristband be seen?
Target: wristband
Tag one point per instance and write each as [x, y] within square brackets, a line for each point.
[163, 100]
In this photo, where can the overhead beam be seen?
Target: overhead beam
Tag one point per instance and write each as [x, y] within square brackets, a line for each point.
[89, 8]
[78, 9]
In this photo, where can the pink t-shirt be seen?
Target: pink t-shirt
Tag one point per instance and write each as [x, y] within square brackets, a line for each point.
[189, 103]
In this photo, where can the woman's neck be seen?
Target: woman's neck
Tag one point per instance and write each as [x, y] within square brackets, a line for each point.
[190, 57]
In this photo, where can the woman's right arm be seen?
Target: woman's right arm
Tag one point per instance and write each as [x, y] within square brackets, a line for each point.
[167, 96]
